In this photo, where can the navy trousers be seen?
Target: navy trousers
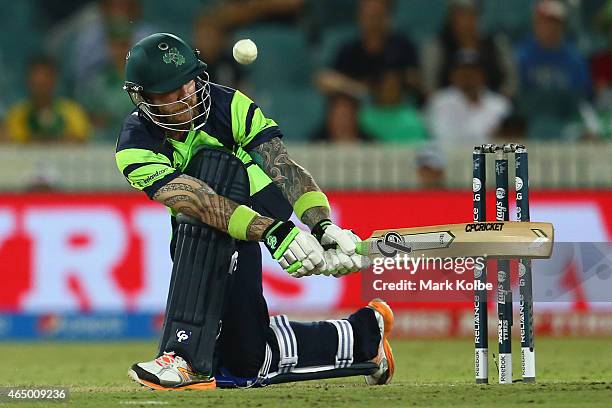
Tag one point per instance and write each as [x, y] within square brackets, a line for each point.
[246, 326]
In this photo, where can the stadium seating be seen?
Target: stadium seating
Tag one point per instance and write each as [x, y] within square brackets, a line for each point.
[298, 111]
[284, 56]
[321, 15]
[177, 19]
[331, 40]
[419, 19]
[18, 44]
[547, 112]
[512, 18]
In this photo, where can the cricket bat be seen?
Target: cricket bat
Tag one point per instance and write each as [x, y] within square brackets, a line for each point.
[510, 239]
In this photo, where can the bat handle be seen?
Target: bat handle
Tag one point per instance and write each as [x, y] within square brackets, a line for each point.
[363, 247]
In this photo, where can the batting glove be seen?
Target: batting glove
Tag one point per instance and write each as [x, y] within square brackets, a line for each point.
[297, 251]
[340, 255]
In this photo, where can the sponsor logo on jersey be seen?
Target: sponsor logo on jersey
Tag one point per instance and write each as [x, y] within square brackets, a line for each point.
[152, 177]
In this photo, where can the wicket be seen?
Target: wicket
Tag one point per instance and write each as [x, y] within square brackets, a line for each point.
[504, 290]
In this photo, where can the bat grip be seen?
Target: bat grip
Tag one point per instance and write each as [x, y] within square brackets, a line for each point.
[361, 247]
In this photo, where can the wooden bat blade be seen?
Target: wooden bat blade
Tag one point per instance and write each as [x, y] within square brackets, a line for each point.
[508, 239]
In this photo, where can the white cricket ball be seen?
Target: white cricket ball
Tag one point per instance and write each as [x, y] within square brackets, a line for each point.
[245, 51]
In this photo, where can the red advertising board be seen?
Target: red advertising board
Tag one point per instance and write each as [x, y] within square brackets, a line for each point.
[109, 252]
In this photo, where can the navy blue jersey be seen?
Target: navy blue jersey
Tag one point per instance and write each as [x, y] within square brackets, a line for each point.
[149, 160]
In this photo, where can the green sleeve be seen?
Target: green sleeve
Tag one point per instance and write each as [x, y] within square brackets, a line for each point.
[249, 125]
[145, 170]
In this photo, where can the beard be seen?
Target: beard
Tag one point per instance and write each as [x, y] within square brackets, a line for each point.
[181, 115]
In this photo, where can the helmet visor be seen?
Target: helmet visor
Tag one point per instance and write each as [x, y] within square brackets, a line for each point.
[186, 114]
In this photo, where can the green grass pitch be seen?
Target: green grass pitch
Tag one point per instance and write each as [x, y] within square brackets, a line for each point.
[571, 372]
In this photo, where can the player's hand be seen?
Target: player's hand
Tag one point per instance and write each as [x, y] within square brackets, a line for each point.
[329, 233]
[340, 264]
[342, 258]
[297, 251]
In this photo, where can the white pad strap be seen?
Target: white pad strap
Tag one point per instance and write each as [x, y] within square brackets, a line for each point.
[287, 343]
[265, 367]
[344, 355]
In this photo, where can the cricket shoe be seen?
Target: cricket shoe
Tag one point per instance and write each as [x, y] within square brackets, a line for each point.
[384, 358]
[169, 372]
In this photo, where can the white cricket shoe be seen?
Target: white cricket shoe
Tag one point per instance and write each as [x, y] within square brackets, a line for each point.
[384, 358]
[169, 372]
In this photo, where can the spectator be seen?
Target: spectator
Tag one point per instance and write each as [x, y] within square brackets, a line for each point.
[45, 117]
[554, 79]
[376, 49]
[546, 60]
[341, 124]
[466, 113]
[4, 90]
[237, 13]
[210, 38]
[601, 68]
[91, 48]
[4, 83]
[103, 95]
[390, 118]
[512, 129]
[461, 31]
[431, 168]
[44, 177]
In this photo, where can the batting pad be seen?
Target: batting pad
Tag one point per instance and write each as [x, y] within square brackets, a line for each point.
[226, 380]
[288, 359]
[287, 343]
[204, 259]
[344, 355]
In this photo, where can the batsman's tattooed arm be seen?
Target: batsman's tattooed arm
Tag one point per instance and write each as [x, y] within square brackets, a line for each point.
[188, 195]
[292, 179]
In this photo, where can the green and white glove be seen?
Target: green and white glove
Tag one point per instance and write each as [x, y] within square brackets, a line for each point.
[340, 255]
[297, 251]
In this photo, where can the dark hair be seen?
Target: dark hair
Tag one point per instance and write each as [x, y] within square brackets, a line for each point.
[467, 57]
[513, 122]
[447, 35]
[336, 96]
[390, 4]
[42, 61]
[380, 76]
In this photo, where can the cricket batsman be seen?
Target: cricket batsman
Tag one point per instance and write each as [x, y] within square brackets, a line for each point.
[208, 153]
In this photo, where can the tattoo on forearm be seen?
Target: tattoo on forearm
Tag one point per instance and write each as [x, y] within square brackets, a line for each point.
[257, 227]
[193, 197]
[315, 214]
[292, 179]
[172, 201]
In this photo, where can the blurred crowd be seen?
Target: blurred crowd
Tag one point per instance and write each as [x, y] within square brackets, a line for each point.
[351, 72]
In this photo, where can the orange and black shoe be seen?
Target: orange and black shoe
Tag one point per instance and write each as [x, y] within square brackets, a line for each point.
[384, 358]
[169, 372]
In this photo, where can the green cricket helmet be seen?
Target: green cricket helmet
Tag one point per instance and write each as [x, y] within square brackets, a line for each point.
[162, 63]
